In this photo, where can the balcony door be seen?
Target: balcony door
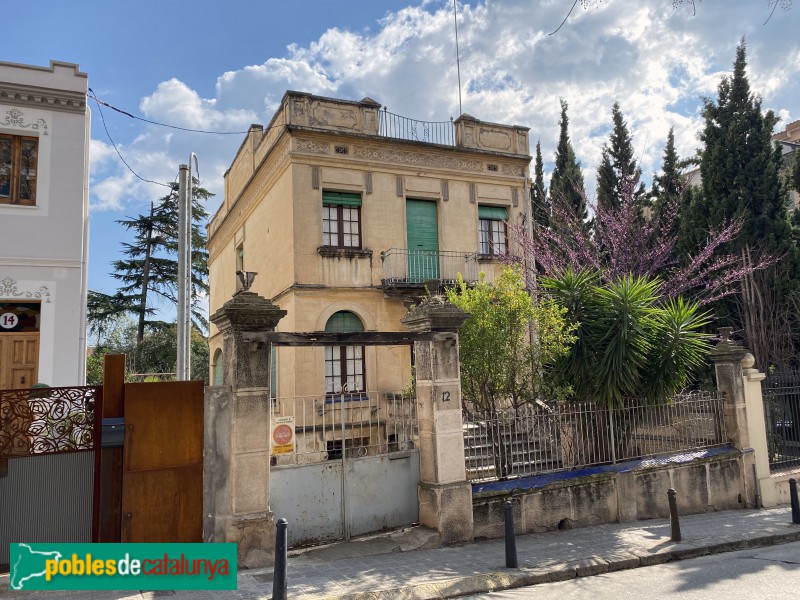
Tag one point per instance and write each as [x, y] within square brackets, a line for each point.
[422, 234]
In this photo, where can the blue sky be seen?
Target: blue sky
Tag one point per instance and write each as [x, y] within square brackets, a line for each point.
[221, 66]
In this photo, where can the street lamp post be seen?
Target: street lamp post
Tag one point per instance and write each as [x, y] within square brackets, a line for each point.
[185, 267]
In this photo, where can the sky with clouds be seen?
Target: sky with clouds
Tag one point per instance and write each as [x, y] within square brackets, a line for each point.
[222, 66]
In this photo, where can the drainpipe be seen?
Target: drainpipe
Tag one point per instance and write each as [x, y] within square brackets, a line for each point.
[84, 252]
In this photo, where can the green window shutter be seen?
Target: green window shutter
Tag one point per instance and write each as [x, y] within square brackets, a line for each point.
[497, 213]
[422, 234]
[344, 322]
[422, 226]
[340, 199]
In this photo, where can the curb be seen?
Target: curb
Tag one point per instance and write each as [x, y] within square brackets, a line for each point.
[508, 579]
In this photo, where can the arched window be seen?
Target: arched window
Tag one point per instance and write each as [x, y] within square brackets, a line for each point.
[344, 365]
[219, 368]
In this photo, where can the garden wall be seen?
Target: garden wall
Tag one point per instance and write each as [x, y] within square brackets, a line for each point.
[705, 481]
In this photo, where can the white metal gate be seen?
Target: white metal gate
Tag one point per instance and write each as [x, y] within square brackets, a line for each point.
[355, 469]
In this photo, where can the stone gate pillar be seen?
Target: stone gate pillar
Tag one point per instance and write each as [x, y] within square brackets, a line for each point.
[445, 495]
[238, 433]
[739, 387]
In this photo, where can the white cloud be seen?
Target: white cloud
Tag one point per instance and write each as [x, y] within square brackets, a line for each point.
[656, 61]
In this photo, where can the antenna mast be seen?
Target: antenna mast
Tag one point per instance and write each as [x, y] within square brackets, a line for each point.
[458, 62]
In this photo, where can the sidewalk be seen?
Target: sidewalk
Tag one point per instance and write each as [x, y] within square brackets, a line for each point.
[479, 567]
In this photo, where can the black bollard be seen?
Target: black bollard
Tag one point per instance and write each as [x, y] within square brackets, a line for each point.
[795, 502]
[674, 525]
[511, 540]
[279, 570]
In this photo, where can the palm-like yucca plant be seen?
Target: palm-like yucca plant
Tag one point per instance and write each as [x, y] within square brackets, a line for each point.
[679, 348]
[631, 347]
[622, 338]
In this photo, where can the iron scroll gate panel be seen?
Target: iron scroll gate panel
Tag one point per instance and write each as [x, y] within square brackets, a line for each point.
[355, 469]
[781, 392]
[48, 438]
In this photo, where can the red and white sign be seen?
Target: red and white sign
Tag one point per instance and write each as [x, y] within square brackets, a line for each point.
[283, 435]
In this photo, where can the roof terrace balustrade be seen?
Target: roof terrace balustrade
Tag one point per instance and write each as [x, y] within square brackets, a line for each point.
[404, 128]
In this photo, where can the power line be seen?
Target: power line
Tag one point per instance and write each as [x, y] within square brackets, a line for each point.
[127, 114]
[110, 139]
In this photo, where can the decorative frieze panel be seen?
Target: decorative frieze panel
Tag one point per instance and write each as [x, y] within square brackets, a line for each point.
[472, 133]
[513, 170]
[14, 117]
[493, 139]
[328, 113]
[313, 146]
[11, 288]
[418, 158]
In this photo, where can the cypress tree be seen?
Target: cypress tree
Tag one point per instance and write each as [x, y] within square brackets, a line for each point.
[740, 169]
[539, 198]
[668, 186]
[617, 166]
[740, 165]
[566, 185]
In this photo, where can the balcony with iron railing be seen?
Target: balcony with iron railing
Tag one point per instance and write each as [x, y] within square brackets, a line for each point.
[403, 128]
[410, 269]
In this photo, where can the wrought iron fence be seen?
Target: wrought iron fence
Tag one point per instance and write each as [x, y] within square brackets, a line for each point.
[402, 266]
[348, 425]
[543, 438]
[781, 392]
[48, 420]
[403, 128]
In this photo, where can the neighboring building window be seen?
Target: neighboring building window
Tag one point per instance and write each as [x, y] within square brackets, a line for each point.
[344, 365]
[341, 220]
[18, 160]
[492, 230]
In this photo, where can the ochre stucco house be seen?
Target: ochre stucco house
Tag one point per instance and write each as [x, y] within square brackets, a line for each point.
[344, 210]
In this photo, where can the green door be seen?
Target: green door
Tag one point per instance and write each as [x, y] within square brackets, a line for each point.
[422, 229]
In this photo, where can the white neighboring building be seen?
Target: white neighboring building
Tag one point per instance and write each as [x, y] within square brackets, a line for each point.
[44, 224]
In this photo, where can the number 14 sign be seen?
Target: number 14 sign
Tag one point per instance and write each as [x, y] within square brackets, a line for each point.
[8, 320]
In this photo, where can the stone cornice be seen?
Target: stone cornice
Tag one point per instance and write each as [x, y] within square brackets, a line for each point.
[377, 152]
[61, 263]
[42, 98]
[411, 145]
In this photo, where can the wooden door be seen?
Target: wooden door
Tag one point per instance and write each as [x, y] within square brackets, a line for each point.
[19, 360]
[162, 478]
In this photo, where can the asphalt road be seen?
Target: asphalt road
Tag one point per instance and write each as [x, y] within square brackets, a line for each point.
[770, 573]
